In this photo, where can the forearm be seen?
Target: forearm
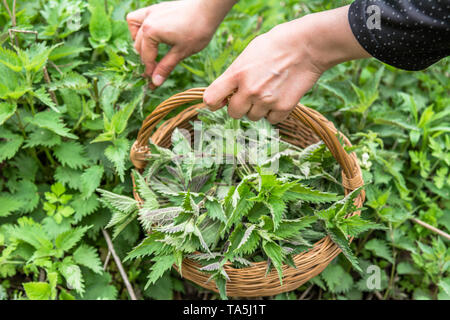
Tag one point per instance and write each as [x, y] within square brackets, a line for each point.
[215, 10]
[327, 37]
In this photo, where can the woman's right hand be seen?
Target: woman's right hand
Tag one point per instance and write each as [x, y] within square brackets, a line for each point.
[187, 26]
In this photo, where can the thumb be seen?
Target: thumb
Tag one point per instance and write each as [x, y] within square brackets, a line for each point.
[165, 66]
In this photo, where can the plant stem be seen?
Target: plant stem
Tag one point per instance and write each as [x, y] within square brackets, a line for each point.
[123, 274]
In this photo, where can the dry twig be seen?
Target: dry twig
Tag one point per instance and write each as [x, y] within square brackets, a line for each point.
[123, 274]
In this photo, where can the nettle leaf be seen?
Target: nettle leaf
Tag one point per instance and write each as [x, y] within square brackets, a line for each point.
[87, 256]
[52, 121]
[149, 217]
[42, 137]
[118, 154]
[35, 57]
[341, 241]
[91, 179]
[99, 286]
[215, 210]
[301, 192]
[30, 232]
[275, 254]
[149, 246]
[118, 202]
[70, 80]
[71, 154]
[8, 204]
[67, 50]
[337, 279]
[69, 177]
[355, 225]
[289, 228]
[6, 111]
[44, 97]
[246, 236]
[68, 239]
[84, 207]
[38, 290]
[27, 194]
[9, 144]
[100, 24]
[380, 248]
[151, 200]
[161, 265]
[72, 273]
[10, 59]
[277, 208]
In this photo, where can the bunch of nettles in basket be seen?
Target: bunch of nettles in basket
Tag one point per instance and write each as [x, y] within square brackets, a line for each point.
[236, 211]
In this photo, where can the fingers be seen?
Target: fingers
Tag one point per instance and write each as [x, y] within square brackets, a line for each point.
[135, 20]
[277, 116]
[219, 90]
[239, 105]
[148, 52]
[166, 66]
[138, 41]
[257, 112]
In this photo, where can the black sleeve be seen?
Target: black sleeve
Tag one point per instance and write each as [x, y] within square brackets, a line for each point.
[407, 34]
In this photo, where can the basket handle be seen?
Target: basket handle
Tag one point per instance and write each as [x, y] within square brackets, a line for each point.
[324, 129]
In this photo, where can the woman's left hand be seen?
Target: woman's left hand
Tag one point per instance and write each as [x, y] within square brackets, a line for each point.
[279, 67]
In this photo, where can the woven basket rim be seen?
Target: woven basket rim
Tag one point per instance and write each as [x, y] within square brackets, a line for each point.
[351, 180]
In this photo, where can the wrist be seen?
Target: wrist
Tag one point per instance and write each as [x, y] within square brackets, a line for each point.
[214, 11]
[328, 38]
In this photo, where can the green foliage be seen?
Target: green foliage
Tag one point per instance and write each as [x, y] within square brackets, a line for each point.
[256, 218]
[76, 130]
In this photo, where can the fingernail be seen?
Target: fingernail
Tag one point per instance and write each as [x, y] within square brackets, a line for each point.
[157, 80]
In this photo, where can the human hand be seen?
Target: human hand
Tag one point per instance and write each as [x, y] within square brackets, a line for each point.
[279, 67]
[187, 26]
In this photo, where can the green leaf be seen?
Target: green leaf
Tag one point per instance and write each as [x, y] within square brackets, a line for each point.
[68, 239]
[84, 207]
[380, 248]
[276, 207]
[42, 137]
[99, 24]
[38, 290]
[66, 50]
[52, 121]
[118, 153]
[444, 284]
[9, 144]
[8, 205]
[275, 254]
[87, 256]
[151, 200]
[10, 59]
[215, 210]
[71, 154]
[72, 273]
[337, 279]
[161, 265]
[301, 192]
[342, 242]
[99, 286]
[69, 177]
[118, 202]
[91, 179]
[45, 98]
[6, 111]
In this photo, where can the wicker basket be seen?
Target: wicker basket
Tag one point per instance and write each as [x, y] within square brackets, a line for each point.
[303, 127]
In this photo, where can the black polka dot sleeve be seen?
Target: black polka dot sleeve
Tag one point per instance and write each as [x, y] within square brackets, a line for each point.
[407, 34]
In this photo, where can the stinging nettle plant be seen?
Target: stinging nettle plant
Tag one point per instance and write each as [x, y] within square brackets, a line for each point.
[235, 212]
